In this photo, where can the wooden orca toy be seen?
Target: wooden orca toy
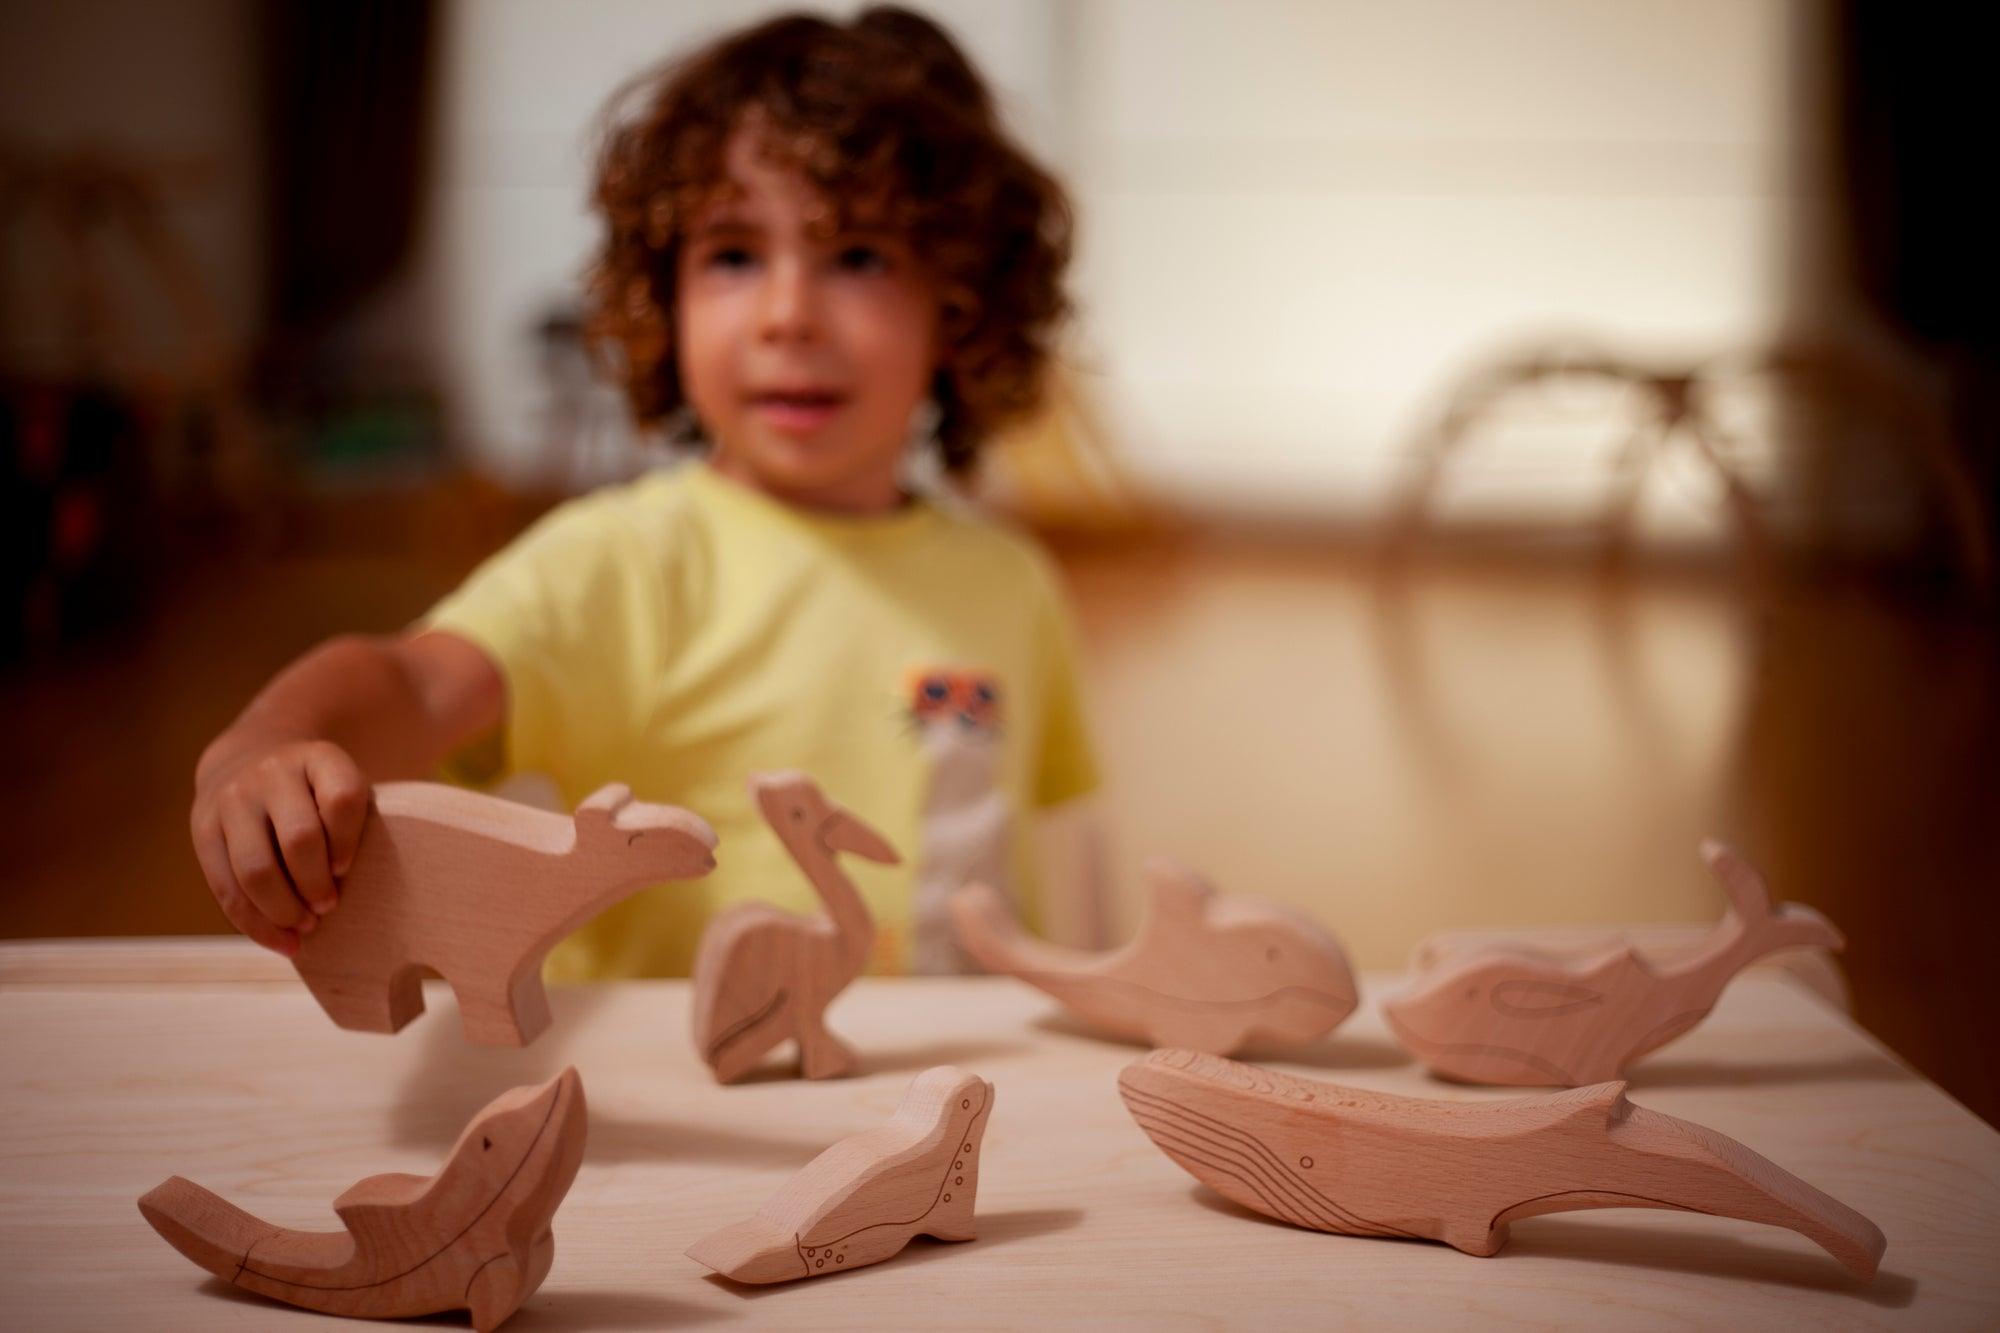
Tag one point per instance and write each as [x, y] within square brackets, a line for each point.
[478, 890]
[1372, 1164]
[1512, 1016]
[861, 1200]
[763, 975]
[1206, 971]
[475, 1236]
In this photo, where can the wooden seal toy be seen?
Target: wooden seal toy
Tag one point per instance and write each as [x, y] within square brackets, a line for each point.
[1514, 1016]
[1371, 1164]
[761, 974]
[1206, 971]
[478, 890]
[475, 1236]
[861, 1200]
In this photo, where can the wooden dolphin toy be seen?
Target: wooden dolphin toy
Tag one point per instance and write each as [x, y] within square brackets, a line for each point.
[478, 890]
[861, 1200]
[475, 1236]
[1206, 971]
[762, 975]
[1371, 1164]
[1512, 1016]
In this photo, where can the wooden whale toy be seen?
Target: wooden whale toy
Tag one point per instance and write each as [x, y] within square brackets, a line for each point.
[475, 1236]
[1514, 1016]
[861, 1200]
[1205, 971]
[1372, 1164]
[762, 975]
[478, 890]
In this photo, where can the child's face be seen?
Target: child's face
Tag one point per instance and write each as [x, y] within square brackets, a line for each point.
[804, 355]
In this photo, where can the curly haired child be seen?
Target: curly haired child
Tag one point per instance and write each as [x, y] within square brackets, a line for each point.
[820, 246]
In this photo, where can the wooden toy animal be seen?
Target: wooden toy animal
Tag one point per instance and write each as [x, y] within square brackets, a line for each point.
[475, 1236]
[1514, 1016]
[1372, 1164]
[762, 974]
[1205, 971]
[861, 1200]
[478, 890]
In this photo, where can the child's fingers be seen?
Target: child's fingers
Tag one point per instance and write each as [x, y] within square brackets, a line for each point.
[253, 855]
[342, 793]
[213, 854]
[302, 842]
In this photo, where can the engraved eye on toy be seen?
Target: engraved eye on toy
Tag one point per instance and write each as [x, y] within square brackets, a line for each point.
[1207, 971]
[861, 1200]
[1512, 1016]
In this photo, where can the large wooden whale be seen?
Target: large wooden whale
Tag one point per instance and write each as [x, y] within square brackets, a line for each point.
[1206, 971]
[478, 890]
[1513, 1016]
[1372, 1164]
[475, 1236]
[861, 1200]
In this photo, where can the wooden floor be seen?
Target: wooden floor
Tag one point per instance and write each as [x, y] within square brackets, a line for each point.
[1456, 746]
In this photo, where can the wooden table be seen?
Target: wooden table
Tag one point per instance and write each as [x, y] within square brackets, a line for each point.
[127, 1062]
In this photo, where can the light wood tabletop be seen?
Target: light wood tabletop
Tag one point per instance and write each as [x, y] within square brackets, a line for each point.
[130, 1061]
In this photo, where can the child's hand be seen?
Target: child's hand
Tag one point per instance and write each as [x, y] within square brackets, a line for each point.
[274, 831]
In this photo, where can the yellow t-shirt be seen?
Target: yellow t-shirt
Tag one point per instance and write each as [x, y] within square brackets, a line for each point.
[683, 632]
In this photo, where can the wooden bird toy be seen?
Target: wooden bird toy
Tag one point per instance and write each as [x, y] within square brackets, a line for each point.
[1206, 971]
[1371, 1164]
[861, 1200]
[1514, 1016]
[475, 1236]
[761, 974]
[478, 890]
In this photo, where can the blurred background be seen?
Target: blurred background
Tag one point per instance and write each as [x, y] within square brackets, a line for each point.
[1502, 440]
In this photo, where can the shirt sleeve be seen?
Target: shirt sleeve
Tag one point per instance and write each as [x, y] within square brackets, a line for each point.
[546, 608]
[1067, 766]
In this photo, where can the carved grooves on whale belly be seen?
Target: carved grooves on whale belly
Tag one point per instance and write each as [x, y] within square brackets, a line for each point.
[1244, 1157]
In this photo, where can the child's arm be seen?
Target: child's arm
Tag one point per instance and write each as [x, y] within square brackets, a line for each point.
[280, 796]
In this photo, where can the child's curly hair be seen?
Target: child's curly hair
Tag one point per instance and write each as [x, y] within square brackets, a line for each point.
[891, 124]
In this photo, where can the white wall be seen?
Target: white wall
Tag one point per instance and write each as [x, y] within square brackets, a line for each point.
[1299, 217]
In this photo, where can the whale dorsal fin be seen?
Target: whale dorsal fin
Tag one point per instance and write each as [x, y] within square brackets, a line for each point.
[376, 1208]
[1180, 897]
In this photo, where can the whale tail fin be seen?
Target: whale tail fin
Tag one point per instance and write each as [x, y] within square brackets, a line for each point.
[1766, 927]
[203, 1225]
[988, 931]
[753, 1250]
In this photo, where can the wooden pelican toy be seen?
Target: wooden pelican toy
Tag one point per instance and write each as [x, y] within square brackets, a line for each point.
[861, 1200]
[1512, 1016]
[475, 1236]
[1373, 1164]
[762, 975]
[1206, 971]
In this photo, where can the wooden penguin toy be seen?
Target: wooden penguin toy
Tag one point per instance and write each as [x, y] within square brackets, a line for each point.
[1372, 1164]
[478, 890]
[1206, 971]
[861, 1200]
[1512, 1016]
[475, 1236]
[761, 974]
